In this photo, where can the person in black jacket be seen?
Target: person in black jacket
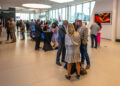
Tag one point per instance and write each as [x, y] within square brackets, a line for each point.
[8, 30]
[61, 42]
[27, 25]
[75, 25]
[18, 24]
[46, 27]
[38, 32]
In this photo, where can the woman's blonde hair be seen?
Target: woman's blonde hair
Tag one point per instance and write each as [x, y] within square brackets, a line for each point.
[71, 30]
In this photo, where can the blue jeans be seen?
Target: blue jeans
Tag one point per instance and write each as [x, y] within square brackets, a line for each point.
[84, 54]
[23, 35]
[93, 39]
[61, 49]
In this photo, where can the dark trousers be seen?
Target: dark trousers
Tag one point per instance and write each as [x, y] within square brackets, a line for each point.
[27, 28]
[37, 45]
[84, 54]
[93, 41]
[61, 49]
[23, 35]
[8, 35]
[17, 28]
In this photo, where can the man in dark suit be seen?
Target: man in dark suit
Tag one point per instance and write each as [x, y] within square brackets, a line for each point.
[61, 42]
[38, 32]
[75, 25]
[8, 30]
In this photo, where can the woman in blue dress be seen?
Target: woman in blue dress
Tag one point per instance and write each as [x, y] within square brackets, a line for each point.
[55, 35]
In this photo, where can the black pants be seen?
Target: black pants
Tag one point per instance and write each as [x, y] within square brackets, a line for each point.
[61, 49]
[37, 39]
[8, 35]
[27, 28]
[93, 41]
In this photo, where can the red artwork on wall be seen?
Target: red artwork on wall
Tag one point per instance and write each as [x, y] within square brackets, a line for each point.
[103, 18]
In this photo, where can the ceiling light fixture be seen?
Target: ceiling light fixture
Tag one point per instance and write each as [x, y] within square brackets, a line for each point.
[62, 1]
[33, 5]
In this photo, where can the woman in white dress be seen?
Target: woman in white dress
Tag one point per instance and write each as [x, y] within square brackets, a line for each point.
[72, 44]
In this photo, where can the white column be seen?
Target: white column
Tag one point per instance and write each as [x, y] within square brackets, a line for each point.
[114, 19]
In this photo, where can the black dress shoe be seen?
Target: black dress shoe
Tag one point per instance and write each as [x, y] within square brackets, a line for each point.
[78, 76]
[67, 77]
[58, 63]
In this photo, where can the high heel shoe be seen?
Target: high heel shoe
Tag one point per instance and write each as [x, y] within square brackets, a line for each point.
[78, 76]
[67, 77]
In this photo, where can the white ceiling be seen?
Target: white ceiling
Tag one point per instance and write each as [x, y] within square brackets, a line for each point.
[18, 3]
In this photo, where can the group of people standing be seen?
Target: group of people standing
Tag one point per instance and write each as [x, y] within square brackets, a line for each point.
[70, 40]
[11, 29]
[39, 30]
[95, 34]
[72, 44]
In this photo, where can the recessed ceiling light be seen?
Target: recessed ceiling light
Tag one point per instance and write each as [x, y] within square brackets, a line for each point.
[62, 1]
[32, 5]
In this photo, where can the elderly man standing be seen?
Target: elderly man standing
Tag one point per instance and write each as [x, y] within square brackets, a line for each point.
[83, 31]
[12, 30]
[61, 42]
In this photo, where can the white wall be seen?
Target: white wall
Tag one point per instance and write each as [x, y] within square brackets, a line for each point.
[118, 21]
[103, 6]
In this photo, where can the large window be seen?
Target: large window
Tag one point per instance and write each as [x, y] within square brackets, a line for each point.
[86, 12]
[63, 14]
[50, 15]
[72, 13]
[46, 15]
[43, 16]
[22, 16]
[79, 13]
[43, 13]
[17, 16]
[31, 16]
[60, 14]
[57, 15]
[36, 16]
[54, 15]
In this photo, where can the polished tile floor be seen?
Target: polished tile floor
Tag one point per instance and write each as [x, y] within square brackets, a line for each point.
[21, 65]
